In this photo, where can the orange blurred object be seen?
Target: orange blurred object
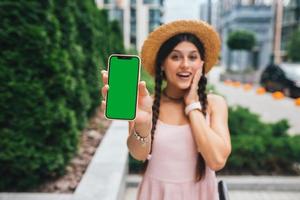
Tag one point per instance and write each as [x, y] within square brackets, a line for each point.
[260, 90]
[236, 84]
[247, 87]
[297, 101]
[278, 95]
[228, 82]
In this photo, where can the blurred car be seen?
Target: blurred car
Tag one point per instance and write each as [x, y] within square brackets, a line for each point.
[284, 78]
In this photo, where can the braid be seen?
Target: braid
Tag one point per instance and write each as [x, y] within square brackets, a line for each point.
[156, 104]
[203, 100]
[202, 92]
[155, 107]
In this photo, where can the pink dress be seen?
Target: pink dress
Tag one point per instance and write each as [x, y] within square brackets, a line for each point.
[171, 171]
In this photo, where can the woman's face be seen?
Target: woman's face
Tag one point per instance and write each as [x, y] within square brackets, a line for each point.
[181, 64]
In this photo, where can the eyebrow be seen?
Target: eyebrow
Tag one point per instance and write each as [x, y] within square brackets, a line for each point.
[181, 51]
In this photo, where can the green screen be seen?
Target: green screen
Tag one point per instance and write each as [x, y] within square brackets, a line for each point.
[123, 75]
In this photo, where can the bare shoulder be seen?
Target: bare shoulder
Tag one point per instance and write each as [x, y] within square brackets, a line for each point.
[216, 102]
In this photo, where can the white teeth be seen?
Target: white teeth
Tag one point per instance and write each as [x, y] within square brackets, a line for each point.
[184, 74]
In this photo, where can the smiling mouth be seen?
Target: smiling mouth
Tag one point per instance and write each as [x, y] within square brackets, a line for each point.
[184, 75]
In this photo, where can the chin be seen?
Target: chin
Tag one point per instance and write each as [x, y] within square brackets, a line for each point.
[184, 86]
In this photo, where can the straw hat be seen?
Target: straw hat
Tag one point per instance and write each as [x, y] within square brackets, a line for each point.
[203, 31]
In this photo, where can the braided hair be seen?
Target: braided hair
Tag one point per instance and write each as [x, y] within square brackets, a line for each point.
[163, 52]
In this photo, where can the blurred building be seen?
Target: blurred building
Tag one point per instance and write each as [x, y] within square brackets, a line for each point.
[210, 12]
[137, 18]
[179, 9]
[290, 21]
[250, 15]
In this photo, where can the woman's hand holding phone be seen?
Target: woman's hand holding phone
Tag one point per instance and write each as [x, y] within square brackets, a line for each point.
[143, 121]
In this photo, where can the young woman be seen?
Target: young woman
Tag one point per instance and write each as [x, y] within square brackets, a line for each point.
[181, 132]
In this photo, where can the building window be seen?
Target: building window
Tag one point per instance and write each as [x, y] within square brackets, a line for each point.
[107, 1]
[154, 19]
[152, 1]
[132, 26]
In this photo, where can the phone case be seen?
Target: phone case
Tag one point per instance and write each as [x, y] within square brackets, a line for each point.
[123, 78]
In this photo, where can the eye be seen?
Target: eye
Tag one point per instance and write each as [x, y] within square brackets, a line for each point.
[193, 57]
[175, 57]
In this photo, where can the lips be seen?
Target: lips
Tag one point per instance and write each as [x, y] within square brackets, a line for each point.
[184, 74]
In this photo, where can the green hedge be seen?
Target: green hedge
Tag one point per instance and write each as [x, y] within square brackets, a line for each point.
[51, 53]
[80, 100]
[293, 46]
[241, 40]
[261, 148]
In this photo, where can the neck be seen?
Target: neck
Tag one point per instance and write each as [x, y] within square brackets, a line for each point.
[174, 94]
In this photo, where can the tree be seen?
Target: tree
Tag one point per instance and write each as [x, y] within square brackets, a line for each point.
[293, 47]
[241, 40]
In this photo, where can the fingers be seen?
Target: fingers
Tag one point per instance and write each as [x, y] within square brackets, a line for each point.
[103, 105]
[143, 89]
[196, 79]
[104, 91]
[104, 77]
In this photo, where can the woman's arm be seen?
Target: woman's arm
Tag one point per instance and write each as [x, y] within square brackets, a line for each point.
[135, 147]
[138, 150]
[213, 142]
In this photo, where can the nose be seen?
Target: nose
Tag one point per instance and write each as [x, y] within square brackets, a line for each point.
[185, 62]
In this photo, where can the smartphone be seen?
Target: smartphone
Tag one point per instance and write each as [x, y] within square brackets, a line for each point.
[123, 80]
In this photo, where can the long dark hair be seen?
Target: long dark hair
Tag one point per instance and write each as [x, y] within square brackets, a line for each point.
[163, 52]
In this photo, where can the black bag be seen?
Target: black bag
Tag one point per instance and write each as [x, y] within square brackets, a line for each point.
[223, 191]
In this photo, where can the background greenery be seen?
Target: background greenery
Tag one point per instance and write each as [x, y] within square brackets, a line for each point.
[293, 47]
[241, 40]
[51, 56]
[261, 148]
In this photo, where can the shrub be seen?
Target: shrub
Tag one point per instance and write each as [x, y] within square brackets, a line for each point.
[260, 148]
[38, 129]
[241, 40]
[242, 122]
[293, 46]
[49, 84]
[80, 99]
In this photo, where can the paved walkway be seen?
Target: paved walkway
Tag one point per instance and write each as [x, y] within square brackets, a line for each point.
[244, 187]
[263, 195]
[35, 196]
[269, 109]
[238, 195]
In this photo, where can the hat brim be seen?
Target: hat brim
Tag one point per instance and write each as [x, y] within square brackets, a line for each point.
[203, 31]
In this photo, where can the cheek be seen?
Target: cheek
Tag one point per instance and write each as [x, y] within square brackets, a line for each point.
[196, 67]
[171, 67]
